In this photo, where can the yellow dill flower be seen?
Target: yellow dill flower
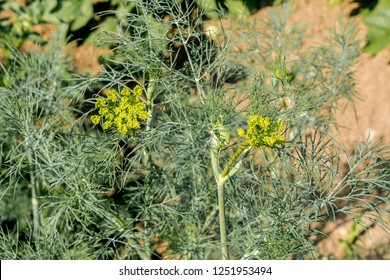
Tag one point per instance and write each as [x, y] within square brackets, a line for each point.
[284, 73]
[279, 126]
[269, 141]
[118, 122]
[124, 115]
[142, 115]
[109, 116]
[124, 103]
[257, 122]
[103, 111]
[139, 106]
[279, 138]
[137, 90]
[107, 125]
[125, 92]
[117, 111]
[262, 132]
[100, 102]
[95, 119]
[112, 95]
[131, 110]
[122, 129]
[241, 132]
[133, 124]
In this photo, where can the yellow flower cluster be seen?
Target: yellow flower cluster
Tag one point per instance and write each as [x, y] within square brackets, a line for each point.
[122, 111]
[284, 74]
[262, 132]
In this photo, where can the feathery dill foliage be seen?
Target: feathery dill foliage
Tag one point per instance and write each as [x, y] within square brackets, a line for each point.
[52, 173]
[70, 190]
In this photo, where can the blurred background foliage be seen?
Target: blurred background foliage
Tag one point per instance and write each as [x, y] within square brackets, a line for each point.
[81, 20]
[376, 16]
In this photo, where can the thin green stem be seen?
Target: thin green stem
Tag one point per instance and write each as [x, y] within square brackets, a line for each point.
[222, 221]
[214, 157]
[221, 199]
[148, 161]
[244, 146]
[197, 77]
[148, 150]
[34, 203]
[221, 178]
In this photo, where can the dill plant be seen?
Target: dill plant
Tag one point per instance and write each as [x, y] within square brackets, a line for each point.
[52, 173]
[211, 169]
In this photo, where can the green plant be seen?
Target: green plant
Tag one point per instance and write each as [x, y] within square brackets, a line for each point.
[376, 16]
[16, 25]
[378, 24]
[74, 14]
[19, 21]
[208, 168]
[261, 133]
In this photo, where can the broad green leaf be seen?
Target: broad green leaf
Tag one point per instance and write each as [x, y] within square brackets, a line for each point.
[85, 14]
[76, 13]
[237, 8]
[48, 16]
[13, 6]
[68, 10]
[378, 24]
[210, 8]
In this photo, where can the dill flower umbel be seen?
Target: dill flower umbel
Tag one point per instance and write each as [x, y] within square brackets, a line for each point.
[122, 112]
[262, 132]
